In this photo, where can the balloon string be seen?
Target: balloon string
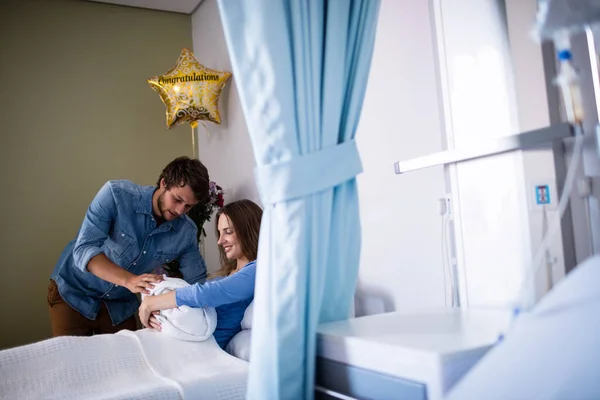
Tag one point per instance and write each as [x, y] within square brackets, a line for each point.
[194, 143]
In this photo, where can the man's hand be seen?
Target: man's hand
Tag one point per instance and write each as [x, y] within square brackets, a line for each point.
[142, 283]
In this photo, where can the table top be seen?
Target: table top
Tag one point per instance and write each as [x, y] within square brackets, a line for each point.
[434, 346]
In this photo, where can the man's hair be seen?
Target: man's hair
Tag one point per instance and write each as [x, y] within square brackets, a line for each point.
[186, 171]
[245, 216]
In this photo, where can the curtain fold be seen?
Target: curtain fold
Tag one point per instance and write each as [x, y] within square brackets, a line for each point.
[301, 68]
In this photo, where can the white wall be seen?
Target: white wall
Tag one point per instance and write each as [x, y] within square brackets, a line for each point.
[487, 87]
[401, 260]
[492, 236]
[225, 149]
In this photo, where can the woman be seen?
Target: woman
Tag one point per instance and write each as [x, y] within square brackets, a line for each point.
[232, 289]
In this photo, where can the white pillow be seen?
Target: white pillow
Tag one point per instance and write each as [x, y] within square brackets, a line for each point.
[239, 345]
[247, 320]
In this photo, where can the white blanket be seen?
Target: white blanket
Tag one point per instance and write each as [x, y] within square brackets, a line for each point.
[127, 365]
[184, 323]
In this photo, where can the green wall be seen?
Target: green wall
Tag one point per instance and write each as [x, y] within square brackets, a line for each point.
[75, 111]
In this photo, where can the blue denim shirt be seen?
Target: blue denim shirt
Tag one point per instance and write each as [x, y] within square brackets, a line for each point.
[119, 223]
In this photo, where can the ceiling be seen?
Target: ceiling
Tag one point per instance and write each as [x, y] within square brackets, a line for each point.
[179, 6]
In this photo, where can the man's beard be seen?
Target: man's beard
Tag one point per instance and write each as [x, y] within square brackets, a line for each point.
[161, 206]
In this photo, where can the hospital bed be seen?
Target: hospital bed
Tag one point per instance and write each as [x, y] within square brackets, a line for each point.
[145, 364]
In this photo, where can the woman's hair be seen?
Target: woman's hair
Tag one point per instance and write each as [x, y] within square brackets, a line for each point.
[245, 216]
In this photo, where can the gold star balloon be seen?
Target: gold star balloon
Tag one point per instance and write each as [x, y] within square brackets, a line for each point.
[190, 91]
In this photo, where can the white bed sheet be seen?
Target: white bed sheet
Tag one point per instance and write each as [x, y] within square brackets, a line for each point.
[128, 365]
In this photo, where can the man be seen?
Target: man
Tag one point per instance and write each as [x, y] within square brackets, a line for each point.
[128, 231]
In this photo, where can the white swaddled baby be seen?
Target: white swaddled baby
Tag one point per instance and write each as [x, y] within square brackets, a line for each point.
[184, 323]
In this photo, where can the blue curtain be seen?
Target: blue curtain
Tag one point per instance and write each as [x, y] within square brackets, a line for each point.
[301, 68]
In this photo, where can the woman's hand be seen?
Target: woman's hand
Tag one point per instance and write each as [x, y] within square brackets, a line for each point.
[150, 304]
[145, 311]
[153, 321]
